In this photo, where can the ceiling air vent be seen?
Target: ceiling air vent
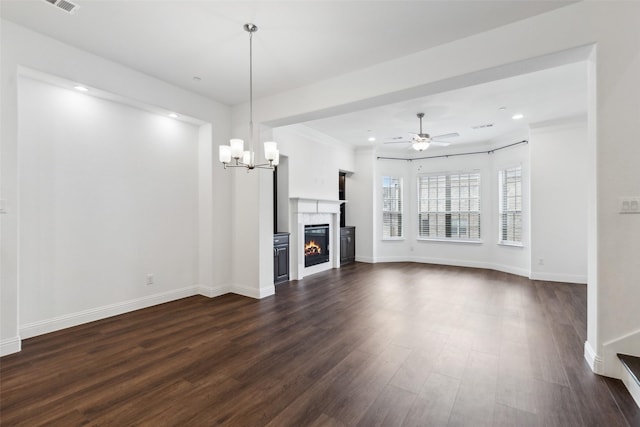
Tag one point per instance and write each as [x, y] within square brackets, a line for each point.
[488, 125]
[65, 5]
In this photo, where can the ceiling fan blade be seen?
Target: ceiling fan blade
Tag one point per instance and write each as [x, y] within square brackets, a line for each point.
[440, 143]
[397, 142]
[446, 135]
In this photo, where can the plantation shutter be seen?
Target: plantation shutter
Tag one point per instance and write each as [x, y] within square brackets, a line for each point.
[449, 206]
[391, 207]
[510, 205]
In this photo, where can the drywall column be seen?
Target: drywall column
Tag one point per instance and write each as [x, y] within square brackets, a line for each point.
[361, 201]
[252, 223]
[558, 155]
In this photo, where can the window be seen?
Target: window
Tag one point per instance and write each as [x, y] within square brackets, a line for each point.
[449, 206]
[510, 205]
[391, 207]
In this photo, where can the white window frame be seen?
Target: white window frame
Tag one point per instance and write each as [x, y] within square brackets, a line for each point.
[444, 203]
[504, 209]
[393, 207]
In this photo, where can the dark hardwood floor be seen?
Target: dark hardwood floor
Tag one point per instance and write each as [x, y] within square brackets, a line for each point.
[366, 345]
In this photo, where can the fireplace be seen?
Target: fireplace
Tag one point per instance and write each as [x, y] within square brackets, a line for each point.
[316, 244]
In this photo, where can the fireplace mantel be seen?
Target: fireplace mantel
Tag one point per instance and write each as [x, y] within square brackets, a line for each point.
[305, 205]
[307, 211]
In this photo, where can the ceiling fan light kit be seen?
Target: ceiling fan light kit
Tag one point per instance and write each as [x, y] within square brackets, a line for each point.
[422, 141]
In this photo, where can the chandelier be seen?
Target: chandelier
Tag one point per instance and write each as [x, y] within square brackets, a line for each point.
[234, 155]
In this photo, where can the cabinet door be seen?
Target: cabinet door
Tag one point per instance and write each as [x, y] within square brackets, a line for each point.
[281, 263]
[351, 246]
[344, 247]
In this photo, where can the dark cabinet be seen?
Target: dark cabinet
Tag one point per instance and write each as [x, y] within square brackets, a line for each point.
[342, 183]
[347, 245]
[280, 257]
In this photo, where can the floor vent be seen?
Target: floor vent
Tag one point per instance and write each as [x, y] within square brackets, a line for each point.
[65, 5]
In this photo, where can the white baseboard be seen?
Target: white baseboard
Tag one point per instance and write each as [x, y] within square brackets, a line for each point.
[367, 259]
[10, 346]
[631, 384]
[626, 344]
[212, 291]
[13, 345]
[509, 269]
[253, 292]
[555, 277]
[66, 321]
[595, 362]
[452, 262]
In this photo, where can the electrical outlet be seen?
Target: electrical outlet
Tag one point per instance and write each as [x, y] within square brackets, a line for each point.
[540, 261]
[629, 204]
[149, 279]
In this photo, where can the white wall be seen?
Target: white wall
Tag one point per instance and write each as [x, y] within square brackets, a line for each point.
[485, 254]
[559, 200]
[108, 195]
[22, 49]
[314, 161]
[361, 199]
[511, 259]
[539, 42]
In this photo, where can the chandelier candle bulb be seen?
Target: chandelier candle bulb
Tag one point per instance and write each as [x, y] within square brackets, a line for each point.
[270, 149]
[225, 154]
[237, 147]
[247, 158]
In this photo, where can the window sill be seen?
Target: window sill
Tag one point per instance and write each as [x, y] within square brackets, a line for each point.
[427, 239]
[392, 239]
[511, 244]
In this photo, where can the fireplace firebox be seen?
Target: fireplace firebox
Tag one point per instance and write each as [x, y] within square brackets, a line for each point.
[316, 244]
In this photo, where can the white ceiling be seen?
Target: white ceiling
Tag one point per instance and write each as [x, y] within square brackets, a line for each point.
[301, 42]
[298, 42]
[540, 96]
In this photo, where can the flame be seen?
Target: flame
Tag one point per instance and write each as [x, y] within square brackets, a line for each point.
[312, 248]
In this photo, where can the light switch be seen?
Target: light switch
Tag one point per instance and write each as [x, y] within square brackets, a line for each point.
[629, 204]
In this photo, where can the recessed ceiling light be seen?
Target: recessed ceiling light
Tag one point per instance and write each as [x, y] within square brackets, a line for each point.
[517, 116]
[173, 115]
[372, 138]
[81, 88]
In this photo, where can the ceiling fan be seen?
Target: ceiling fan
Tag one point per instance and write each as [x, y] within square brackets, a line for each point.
[421, 141]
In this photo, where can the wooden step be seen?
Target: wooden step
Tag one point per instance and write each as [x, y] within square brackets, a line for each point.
[631, 375]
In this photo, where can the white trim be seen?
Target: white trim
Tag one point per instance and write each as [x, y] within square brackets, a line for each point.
[558, 277]
[10, 346]
[626, 344]
[631, 384]
[260, 293]
[73, 319]
[451, 240]
[510, 244]
[509, 269]
[595, 362]
[392, 239]
[455, 263]
[438, 261]
[212, 291]
[367, 259]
